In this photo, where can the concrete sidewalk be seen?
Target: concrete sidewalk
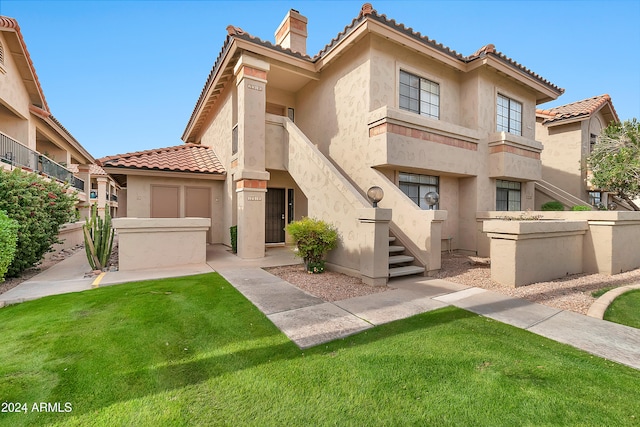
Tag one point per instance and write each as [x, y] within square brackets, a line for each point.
[309, 321]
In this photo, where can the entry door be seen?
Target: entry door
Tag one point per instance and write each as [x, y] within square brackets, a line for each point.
[274, 221]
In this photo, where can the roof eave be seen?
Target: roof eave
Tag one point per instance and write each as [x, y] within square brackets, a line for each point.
[544, 92]
[137, 171]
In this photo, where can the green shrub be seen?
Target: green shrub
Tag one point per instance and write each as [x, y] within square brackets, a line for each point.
[40, 207]
[580, 208]
[234, 238]
[314, 238]
[8, 240]
[553, 205]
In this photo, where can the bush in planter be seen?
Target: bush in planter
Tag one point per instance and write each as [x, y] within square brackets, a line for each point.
[8, 240]
[553, 205]
[314, 238]
[580, 208]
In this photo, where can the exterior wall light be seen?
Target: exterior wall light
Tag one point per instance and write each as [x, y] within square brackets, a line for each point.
[375, 194]
[432, 199]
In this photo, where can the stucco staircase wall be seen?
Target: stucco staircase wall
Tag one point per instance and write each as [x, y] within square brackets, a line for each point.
[412, 226]
[557, 193]
[330, 196]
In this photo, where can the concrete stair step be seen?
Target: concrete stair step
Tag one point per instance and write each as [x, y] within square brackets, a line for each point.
[399, 259]
[405, 271]
[392, 239]
[395, 249]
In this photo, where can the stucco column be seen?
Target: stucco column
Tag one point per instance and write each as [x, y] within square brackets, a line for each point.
[251, 176]
[103, 184]
[84, 204]
[434, 243]
[374, 245]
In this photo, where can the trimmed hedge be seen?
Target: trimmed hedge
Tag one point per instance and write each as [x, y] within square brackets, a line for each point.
[580, 208]
[40, 207]
[8, 240]
[553, 205]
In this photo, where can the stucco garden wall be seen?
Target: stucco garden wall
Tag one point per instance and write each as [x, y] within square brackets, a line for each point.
[525, 252]
[146, 243]
[610, 244]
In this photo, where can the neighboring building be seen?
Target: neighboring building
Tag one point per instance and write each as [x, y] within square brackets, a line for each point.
[569, 133]
[382, 105]
[30, 137]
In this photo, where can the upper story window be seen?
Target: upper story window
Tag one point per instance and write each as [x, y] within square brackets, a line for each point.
[508, 195]
[417, 186]
[509, 115]
[419, 95]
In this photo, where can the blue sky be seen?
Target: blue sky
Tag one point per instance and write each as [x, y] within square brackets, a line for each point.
[124, 76]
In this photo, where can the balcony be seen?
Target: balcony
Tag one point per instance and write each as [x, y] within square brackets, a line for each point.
[17, 155]
[514, 157]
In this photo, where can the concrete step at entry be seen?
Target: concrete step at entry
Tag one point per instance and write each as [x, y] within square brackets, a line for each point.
[400, 259]
[400, 263]
[405, 271]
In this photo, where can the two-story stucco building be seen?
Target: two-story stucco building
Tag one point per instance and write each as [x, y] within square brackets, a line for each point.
[290, 135]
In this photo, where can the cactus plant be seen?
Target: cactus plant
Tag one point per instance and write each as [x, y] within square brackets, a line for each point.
[98, 238]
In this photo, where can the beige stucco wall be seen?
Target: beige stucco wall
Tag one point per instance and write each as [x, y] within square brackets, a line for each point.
[14, 96]
[561, 156]
[139, 199]
[146, 243]
[525, 252]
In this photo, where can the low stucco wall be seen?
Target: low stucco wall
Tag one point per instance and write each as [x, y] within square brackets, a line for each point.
[70, 235]
[525, 252]
[146, 243]
[612, 244]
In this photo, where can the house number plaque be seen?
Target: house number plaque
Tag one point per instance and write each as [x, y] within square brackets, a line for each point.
[254, 87]
[254, 198]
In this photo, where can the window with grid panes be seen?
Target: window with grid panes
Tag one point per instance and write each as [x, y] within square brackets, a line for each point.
[595, 198]
[508, 195]
[509, 118]
[417, 186]
[419, 95]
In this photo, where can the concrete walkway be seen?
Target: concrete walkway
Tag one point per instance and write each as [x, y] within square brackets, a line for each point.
[309, 321]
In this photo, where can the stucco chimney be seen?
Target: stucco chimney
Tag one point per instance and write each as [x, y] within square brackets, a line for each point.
[292, 32]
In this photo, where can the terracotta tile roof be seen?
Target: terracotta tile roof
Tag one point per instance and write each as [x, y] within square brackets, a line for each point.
[180, 158]
[366, 12]
[576, 110]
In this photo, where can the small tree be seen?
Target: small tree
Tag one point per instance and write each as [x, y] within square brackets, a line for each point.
[314, 239]
[615, 160]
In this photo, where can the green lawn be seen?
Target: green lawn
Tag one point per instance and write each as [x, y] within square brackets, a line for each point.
[193, 351]
[625, 309]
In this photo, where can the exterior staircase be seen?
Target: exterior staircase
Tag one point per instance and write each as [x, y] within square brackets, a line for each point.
[399, 263]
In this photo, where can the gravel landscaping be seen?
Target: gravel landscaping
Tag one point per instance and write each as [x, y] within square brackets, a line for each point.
[571, 293]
